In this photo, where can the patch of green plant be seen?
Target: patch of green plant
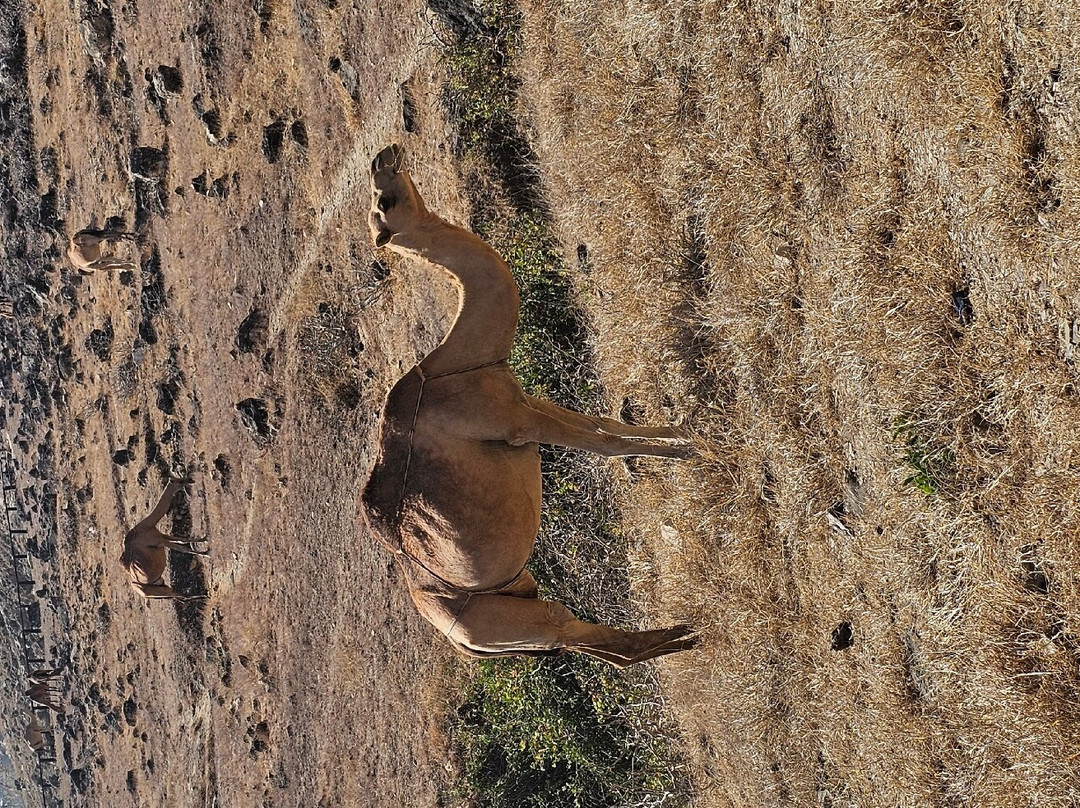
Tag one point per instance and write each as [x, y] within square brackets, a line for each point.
[566, 730]
[929, 464]
[548, 732]
[551, 356]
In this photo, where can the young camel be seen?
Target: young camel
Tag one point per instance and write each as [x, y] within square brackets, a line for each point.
[455, 493]
[145, 551]
[84, 250]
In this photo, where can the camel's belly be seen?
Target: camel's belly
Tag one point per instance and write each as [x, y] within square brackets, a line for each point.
[472, 509]
[145, 573]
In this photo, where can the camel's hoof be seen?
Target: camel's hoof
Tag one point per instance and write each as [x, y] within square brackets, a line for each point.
[392, 158]
[687, 451]
[671, 641]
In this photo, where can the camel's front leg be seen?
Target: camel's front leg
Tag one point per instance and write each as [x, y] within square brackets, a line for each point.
[112, 263]
[501, 624]
[542, 422]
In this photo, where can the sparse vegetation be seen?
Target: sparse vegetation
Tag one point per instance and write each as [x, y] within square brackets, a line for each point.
[929, 464]
[801, 224]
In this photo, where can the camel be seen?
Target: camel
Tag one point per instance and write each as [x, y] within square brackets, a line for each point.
[44, 694]
[44, 675]
[35, 734]
[455, 491]
[145, 551]
[84, 250]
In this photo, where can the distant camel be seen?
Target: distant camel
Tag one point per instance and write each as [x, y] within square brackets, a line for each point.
[145, 547]
[84, 250]
[455, 493]
[45, 694]
[44, 675]
[35, 734]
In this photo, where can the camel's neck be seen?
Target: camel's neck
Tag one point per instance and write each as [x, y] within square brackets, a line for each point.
[484, 328]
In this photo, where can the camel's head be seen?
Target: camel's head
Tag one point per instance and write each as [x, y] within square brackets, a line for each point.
[395, 203]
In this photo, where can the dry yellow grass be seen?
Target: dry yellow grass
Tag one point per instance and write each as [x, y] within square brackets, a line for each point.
[840, 241]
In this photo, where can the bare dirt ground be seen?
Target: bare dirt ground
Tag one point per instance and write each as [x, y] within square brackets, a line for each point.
[236, 140]
[838, 240]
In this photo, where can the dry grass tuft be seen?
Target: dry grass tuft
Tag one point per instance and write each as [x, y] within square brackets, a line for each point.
[840, 242]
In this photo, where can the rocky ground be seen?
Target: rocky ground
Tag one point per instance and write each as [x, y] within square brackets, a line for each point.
[250, 348]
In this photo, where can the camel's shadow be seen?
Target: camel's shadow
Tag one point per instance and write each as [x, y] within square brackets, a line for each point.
[188, 573]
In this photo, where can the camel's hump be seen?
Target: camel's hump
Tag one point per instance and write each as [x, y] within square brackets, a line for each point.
[385, 488]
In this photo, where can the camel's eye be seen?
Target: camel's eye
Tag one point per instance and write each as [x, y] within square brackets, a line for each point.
[386, 202]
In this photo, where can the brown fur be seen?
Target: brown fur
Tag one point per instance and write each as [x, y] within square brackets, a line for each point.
[84, 250]
[34, 734]
[455, 493]
[146, 551]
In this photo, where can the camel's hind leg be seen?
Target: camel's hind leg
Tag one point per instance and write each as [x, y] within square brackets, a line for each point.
[504, 624]
[163, 592]
[106, 264]
[163, 505]
[543, 422]
[606, 425]
[91, 237]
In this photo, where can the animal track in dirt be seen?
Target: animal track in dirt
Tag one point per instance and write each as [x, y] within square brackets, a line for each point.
[1032, 571]
[168, 393]
[100, 341]
[152, 299]
[842, 637]
[208, 44]
[273, 140]
[350, 79]
[265, 10]
[131, 709]
[161, 83]
[408, 109]
[223, 469]
[217, 649]
[298, 133]
[962, 308]
[149, 163]
[259, 735]
[210, 116]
